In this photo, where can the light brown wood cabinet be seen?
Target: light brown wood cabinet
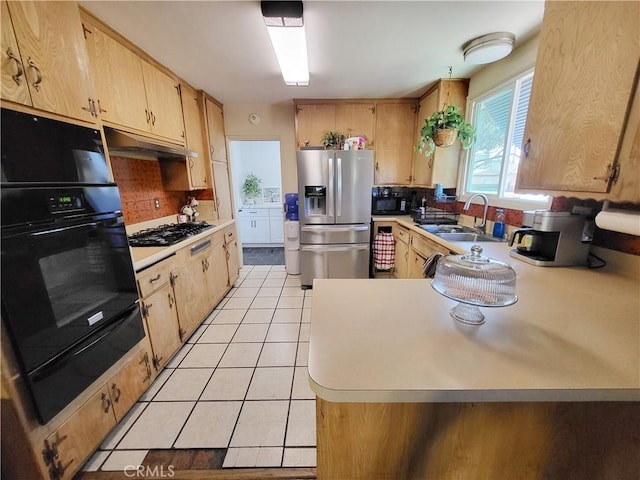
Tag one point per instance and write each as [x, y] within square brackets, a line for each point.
[395, 124]
[412, 249]
[65, 450]
[161, 316]
[190, 173]
[222, 192]
[215, 129]
[193, 111]
[402, 237]
[44, 59]
[313, 120]
[442, 165]
[416, 263]
[117, 76]
[231, 251]
[585, 71]
[132, 93]
[216, 272]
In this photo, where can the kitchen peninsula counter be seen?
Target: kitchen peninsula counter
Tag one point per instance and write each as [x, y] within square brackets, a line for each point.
[557, 371]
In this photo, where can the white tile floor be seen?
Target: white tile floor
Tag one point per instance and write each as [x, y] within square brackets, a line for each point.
[239, 383]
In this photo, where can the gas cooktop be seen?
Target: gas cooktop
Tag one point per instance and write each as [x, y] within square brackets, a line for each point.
[165, 235]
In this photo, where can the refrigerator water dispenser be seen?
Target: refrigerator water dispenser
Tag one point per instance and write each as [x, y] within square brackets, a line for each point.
[315, 200]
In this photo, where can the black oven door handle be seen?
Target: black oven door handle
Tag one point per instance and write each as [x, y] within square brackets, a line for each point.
[116, 324]
[64, 229]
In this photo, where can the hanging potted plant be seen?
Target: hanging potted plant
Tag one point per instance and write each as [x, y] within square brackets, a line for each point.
[251, 188]
[442, 128]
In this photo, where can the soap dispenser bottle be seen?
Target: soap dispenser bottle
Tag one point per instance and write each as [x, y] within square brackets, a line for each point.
[498, 225]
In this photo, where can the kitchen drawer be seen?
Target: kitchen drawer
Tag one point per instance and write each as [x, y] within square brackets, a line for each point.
[401, 234]
[427, 247]
[153, 277]
[253, 212]
[229, 235]
[275, 213]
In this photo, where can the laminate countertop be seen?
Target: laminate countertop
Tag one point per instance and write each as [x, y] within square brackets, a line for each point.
[573, 335]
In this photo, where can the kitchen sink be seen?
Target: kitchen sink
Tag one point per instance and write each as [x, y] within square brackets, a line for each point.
[466, 237]
[436, 229]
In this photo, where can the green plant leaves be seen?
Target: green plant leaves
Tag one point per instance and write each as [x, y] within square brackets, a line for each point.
[450, 118]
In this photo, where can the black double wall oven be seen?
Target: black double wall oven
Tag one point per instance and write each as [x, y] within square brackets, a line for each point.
[69, 297]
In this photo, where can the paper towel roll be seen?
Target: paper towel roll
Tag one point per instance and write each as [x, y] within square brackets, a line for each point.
[623, 221]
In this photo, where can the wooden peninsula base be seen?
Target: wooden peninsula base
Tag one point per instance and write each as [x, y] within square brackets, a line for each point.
[523, 440]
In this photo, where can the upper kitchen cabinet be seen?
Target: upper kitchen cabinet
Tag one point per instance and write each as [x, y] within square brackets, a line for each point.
[585, 71]
[395, 125]
[215, 129]
[352, 119]
[442, 165]
[117, 76]
[132, 93]
[312, 121]
[44, 59]
[163, 103]
[192, 109]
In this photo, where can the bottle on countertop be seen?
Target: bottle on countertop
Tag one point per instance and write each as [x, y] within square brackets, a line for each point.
[498, 224]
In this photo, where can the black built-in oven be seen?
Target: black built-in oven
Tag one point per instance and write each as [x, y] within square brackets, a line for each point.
[69, 297]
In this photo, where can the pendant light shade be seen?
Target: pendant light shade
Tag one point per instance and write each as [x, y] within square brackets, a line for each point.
[488, 48]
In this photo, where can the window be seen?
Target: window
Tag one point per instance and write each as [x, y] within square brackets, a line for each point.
[499, 118]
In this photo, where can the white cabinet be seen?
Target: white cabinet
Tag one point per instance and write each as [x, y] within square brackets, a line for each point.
[276, 225]
[254, 225]
[261, 224]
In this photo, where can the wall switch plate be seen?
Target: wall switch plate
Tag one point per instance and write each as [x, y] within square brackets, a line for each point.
[156, 203]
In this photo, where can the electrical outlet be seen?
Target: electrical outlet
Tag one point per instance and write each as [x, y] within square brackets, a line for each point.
[156, 203]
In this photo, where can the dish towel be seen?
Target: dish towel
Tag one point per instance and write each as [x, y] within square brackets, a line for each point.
[384, 251]
[429, 267]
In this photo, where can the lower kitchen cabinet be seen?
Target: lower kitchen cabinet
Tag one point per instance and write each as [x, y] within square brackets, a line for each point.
[416, 263]
[65, 450]
[402, 254]
[161, 316]
[261, 224]
[189, 284]
[233, 259]
[254, 229]
[216, 271]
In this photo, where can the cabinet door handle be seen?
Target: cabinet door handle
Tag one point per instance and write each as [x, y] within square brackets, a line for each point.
[153, 119]
[106, 402]
[18, 76]
[38, 81]
[100, 109]
[154, 279]
[377, 168]
[170, 300]
[527, 148]
[146, 112]
[191, 163]
[145, 360]
[116, 392]
[156, 362]
[89, 108]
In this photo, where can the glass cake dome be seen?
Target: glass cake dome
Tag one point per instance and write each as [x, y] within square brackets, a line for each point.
[474, 281]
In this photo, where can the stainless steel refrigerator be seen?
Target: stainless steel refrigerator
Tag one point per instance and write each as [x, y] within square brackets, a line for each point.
[334, 208]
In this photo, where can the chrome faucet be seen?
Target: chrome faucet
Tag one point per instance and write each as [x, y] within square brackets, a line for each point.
[483, 226]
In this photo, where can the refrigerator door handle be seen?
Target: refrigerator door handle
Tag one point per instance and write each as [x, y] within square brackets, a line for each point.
[338, 187]
[335, 248]
[330, 193]
[323, 228]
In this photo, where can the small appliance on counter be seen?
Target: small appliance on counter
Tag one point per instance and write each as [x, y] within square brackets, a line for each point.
[386, 202]
[554, 239]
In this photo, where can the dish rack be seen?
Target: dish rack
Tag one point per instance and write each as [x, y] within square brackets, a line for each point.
[434, 216]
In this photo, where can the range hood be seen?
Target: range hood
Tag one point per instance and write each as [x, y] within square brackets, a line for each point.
[132, 145]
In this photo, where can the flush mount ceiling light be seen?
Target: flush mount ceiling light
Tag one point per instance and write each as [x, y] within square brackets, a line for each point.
[286, 29]
[488, 48]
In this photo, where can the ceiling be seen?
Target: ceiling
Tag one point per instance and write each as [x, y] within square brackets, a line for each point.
[357, 49]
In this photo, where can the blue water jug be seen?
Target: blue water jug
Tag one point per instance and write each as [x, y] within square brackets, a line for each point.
[291, 206]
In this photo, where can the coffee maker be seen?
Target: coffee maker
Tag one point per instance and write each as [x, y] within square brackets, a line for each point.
[552, 239]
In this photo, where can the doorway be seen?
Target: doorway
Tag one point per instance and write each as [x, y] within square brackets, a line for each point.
[257, 186]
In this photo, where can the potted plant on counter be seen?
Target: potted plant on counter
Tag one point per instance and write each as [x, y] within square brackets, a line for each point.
[441, 129]
[251, 188]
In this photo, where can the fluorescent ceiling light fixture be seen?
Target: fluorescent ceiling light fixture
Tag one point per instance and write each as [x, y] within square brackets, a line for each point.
[289, 39]
[488, 48]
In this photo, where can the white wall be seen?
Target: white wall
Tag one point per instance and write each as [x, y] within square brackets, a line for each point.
[521, 59]
[276, 123]
[260, 157]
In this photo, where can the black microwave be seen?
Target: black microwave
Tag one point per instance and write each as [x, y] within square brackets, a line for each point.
[389, 205]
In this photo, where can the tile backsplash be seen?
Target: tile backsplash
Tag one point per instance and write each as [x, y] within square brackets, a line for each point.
[140, 183]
